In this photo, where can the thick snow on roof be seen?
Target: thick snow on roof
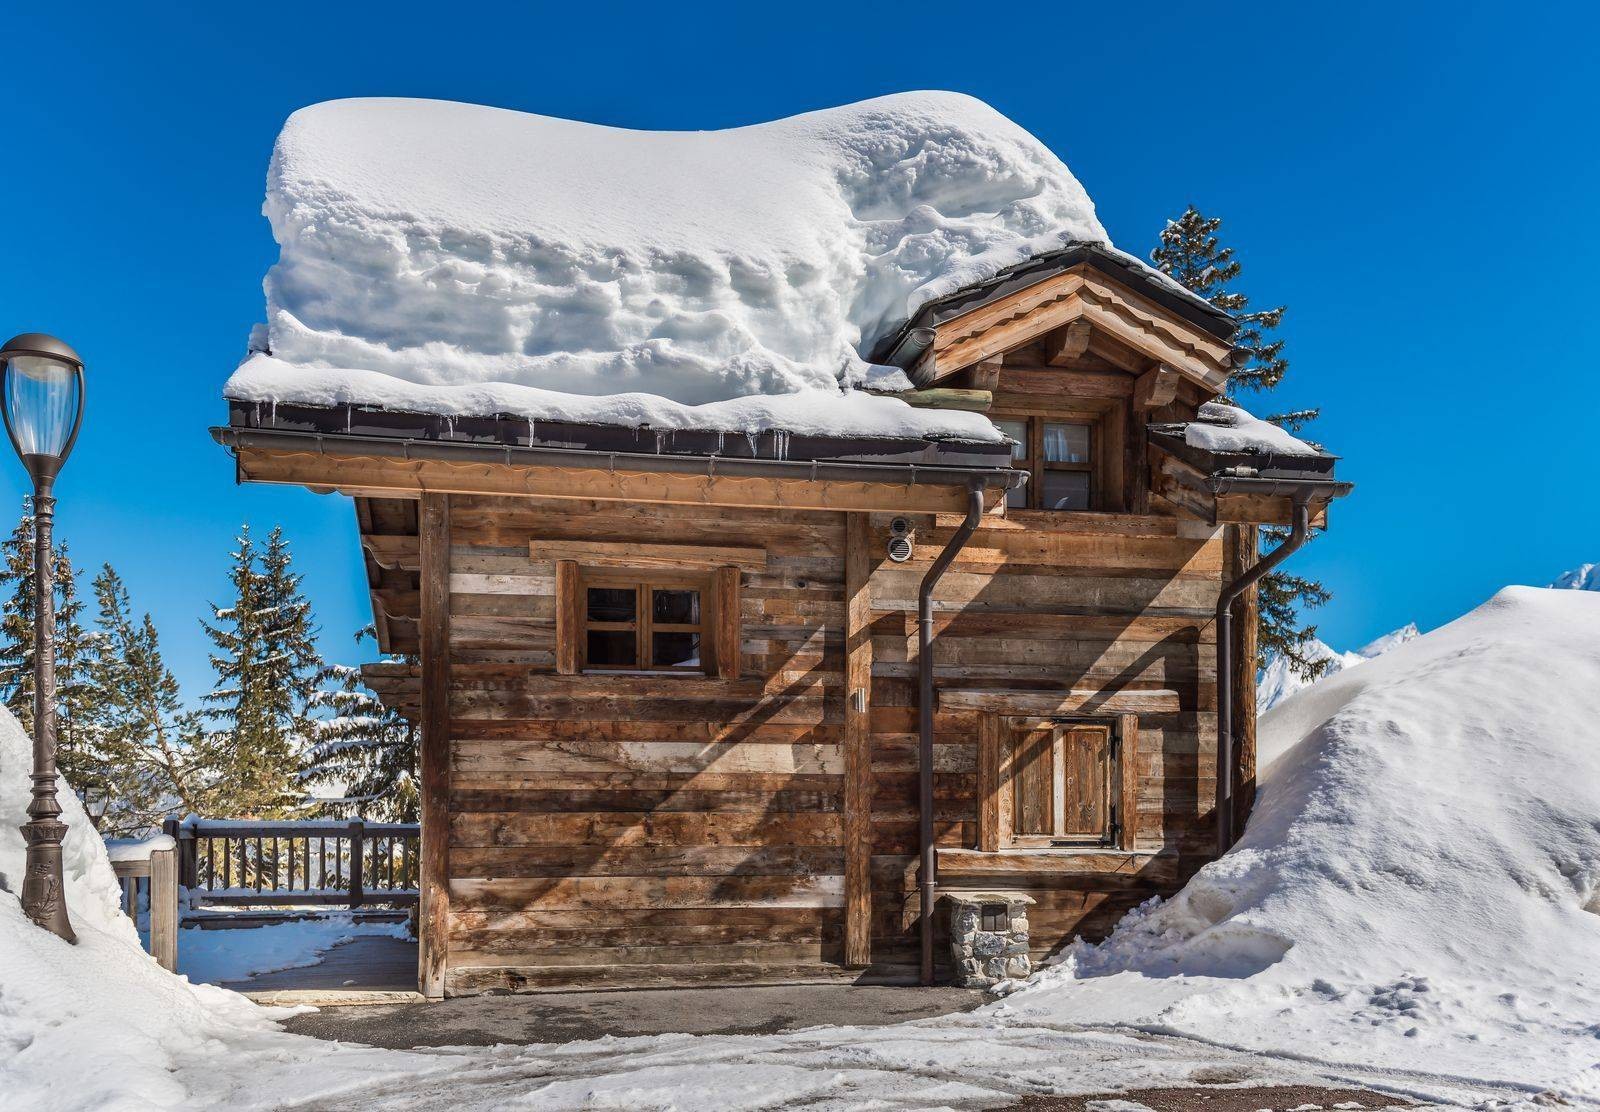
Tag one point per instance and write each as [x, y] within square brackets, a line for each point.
[1224, 427]
[1420, 882]
[429, 244]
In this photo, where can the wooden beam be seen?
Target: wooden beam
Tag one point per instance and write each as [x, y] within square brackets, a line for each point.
[986, 375]
[728, 650]
[1047, 703]
[433, 918]
[630, 554]
[1066, 344]
[973, 401]
[858, 741]
[397, 553]
[569, 616]
[1245, 552]
[362, 475]
[1156, 387]
[991, 737]
[1128, 781]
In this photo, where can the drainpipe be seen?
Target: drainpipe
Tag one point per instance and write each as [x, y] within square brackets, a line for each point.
[1299, 533]
[925, 710]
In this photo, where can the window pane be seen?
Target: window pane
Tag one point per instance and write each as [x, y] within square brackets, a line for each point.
[675, 650]
[611, 604]
[680, 607]
[1066, 490]
[1066, 443]
[612, 648]
[1018, 431]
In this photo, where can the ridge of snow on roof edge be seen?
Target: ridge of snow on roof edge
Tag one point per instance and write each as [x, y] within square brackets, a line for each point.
[430, 247]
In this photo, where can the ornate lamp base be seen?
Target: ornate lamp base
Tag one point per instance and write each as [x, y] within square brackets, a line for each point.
[43, 899]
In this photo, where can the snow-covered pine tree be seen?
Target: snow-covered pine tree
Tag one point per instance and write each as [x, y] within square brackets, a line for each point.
[145, 732]
[77, 753]
[363, 748]
[266, 664]
[1191, 253]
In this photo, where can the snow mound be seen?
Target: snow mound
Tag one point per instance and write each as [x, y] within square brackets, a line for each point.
[1418, 884]
[99, 1025]
[430, 247]
[1278, 681]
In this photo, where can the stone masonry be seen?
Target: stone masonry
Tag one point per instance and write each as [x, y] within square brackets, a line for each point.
[988, 937]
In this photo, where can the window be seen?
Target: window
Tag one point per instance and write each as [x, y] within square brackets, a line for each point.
[1057, 782]
[1060, 457]
[618, 619]
[643, 625]
[1017, 430]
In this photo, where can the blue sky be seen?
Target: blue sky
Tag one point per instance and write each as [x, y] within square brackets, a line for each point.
[1413, 180]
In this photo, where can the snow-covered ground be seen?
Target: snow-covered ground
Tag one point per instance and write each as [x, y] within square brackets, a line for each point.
[1413, 907]
[1417, 888]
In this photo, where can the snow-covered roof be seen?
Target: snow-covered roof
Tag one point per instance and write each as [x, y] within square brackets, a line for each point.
[451, 258]
[1225, 427]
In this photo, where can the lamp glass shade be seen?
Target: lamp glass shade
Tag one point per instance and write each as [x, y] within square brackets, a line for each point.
[42, 398]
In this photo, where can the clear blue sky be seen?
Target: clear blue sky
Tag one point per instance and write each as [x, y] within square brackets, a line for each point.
[1414, 181]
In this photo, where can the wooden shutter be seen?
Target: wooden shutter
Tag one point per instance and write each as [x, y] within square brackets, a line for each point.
[1060, 781]
[1086, 775]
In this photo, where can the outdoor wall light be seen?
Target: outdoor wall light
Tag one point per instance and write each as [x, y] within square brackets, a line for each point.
[41, 380]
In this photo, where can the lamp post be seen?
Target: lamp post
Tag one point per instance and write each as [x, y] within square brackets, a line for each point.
[42, 387]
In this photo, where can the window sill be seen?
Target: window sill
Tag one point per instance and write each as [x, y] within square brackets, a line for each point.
[1158, 866]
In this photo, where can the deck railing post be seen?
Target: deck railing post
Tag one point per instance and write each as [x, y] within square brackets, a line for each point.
[357, 833]
[164, 907]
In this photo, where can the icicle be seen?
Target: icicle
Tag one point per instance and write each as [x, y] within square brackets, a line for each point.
[750, 438]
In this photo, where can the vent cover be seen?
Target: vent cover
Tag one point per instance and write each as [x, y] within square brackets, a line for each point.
[901, 536]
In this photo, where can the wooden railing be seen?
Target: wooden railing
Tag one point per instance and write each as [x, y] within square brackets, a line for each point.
[153, 861]
[236, 861]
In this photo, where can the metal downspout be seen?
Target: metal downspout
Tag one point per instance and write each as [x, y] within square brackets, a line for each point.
[925, 710]
[1298, 535]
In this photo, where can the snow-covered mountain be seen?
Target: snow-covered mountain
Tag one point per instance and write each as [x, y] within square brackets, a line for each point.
[1584, 577]
[1278, 680]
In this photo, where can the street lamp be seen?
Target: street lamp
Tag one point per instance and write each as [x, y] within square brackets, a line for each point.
[42, 387]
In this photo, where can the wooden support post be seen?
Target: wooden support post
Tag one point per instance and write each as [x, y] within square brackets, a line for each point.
[1246, 643]
[433, 919]
[164, 907]
[991, 736]
[358, 880]
[858, 742]
[727, 652]
[1128, 782]
[569, 617]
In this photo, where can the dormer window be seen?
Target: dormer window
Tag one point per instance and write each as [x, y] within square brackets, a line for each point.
[1059, 455]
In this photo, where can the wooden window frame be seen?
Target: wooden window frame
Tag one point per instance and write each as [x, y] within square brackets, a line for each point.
[1036, 465]
[718, 628]
[997, 792]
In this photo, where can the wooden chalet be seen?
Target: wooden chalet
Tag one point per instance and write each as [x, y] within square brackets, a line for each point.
[676, 726]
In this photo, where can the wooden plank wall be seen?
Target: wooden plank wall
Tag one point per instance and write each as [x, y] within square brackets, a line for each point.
[639, 830]
[1046, 601]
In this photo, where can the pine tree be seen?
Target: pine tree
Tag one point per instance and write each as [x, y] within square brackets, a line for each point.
[77, 742]
[146, 735]
[266, 664]
[364, 748]
[1191, 253]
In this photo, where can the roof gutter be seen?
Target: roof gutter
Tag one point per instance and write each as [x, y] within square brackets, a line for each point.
[403, 450]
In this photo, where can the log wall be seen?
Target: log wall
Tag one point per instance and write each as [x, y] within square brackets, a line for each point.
[643, 829]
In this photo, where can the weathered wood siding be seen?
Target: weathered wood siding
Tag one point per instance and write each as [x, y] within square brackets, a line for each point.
[1042, 601]
[636, 829]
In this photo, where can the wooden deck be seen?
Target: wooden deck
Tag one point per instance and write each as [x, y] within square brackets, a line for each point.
[366, 970]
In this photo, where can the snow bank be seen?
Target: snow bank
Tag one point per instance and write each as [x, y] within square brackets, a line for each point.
[1418, 885]
[1223, 427]
[219, 954]
[456, 258]
[99, 1026]
[1278, 681]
